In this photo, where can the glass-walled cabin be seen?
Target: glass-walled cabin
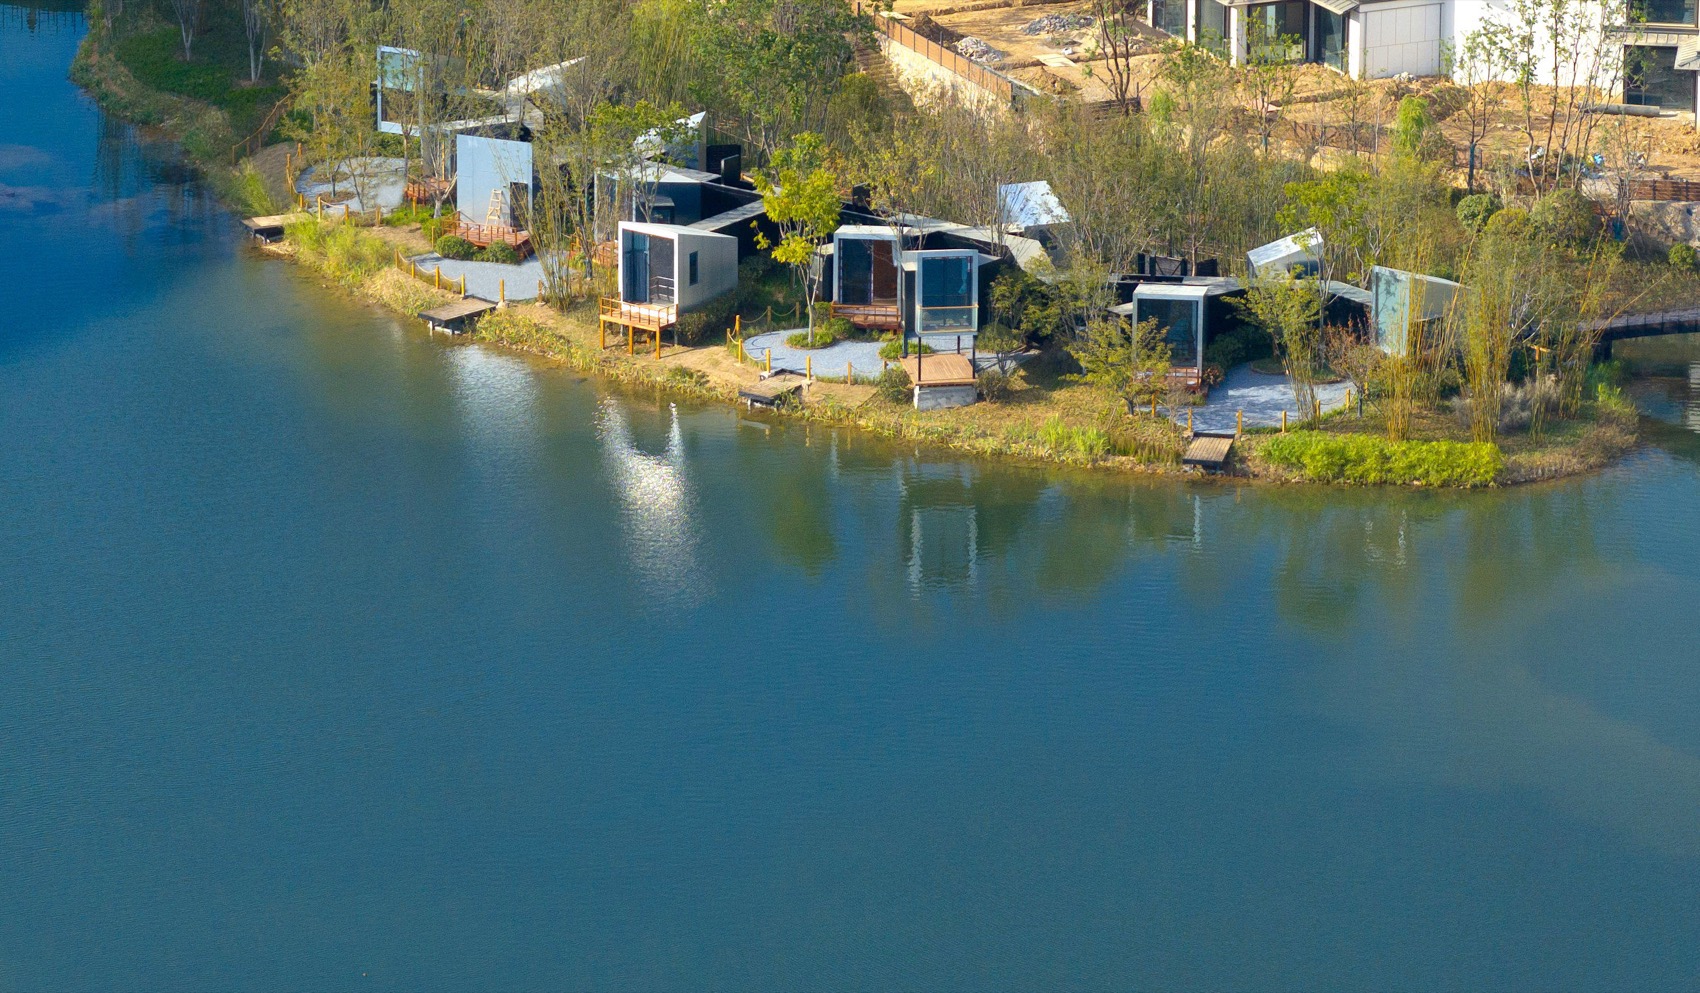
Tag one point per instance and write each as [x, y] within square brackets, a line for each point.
[866, 269]
[947, 296]
[646, 269]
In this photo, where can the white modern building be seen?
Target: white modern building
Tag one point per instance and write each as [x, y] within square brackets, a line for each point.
[1651, 59]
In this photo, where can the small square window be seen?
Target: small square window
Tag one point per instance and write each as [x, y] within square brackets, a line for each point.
[693, 269]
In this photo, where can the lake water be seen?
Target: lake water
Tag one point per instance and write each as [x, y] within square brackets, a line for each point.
[335, 656]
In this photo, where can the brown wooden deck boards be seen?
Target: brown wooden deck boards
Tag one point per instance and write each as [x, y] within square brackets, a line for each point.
[269, 227]
[939, 369]
[1209, 451]
[455, 313]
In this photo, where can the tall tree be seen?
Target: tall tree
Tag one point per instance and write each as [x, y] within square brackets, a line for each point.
[799, 191]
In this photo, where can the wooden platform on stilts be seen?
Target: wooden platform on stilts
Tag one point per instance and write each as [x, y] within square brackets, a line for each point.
[1209, 451]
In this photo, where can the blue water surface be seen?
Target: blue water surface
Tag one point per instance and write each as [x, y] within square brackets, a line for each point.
[335, 656]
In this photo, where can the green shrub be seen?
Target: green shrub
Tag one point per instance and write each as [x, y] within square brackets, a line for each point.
[803, 339]
[839, 327]
[893, 349]
[1682, 256]
[1565, 216]
[995, 337]
[1065, 439]
[1510, 222]
[408, 214]
[453, 246]
[702, 324]
[1367, 459]
[499, 252]
[994, 385]
[1475, 210]
[893, 384]
[1244, 343]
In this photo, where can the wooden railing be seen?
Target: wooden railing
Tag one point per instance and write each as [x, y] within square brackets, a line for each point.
[1664, 189]
[998, 85]
[428, 190]
[868, 315]
[645, 316]
[257, 140]
[485, 235]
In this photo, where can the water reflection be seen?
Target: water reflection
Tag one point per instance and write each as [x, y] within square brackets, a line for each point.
[658, 509]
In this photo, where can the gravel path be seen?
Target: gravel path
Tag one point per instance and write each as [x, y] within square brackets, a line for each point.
[1261, 397]
[484, 280]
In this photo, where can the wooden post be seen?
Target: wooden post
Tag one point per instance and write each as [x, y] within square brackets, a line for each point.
[1283, 420]
[631, 341]
[658, 341]
[809, 368]
[1317, 406]
[501, 291]
[1239, 423]
[1189, 420]
[438, 278]
[413, 268]
[463, 286]
[1153, 406]
[849, 373]
[602, 331]
[769, 362]
[742, 358]
[540, 291]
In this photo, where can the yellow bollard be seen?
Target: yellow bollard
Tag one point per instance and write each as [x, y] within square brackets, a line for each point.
[809, 368]
[1189, 420]
[412, 269]
[742, 358]
[1283, 421]
[1239, 423]
[1317, 407]
[463, 287]
[437, 280]
[501, 291]
[769, 362]
[849, 373]
[1153, 406]
[540, 289]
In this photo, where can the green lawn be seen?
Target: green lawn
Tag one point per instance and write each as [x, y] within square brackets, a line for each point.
[155, 57]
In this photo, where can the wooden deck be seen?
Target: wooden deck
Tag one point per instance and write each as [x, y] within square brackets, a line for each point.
[1209, 451]
[269, 227]
[650, 318]
[772, 390]
[452, 317]
[874, 316]
[485, 235]
[939, 369]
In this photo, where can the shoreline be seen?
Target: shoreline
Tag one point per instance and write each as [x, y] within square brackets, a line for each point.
[708, 372]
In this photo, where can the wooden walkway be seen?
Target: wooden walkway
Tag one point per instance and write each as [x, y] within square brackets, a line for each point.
[1209, 451]
[452, 317]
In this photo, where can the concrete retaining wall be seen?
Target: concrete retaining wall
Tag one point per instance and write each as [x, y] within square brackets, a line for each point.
[929, 83]
[940, 397]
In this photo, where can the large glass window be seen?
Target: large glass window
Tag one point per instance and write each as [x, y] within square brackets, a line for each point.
[1277, 32]
[1662, 11]
[1331, 39]
[1213, 25]
[1169, 16]
[855, 271]
[1178, 320]
[947, 293]
[1651, 79]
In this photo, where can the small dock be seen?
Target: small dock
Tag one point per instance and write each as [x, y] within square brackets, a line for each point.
[268, 228]
[1209, 451]
[452, 317]
[772, 390]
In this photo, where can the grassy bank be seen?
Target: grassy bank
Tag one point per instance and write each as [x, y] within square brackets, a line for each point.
[1042, 414]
